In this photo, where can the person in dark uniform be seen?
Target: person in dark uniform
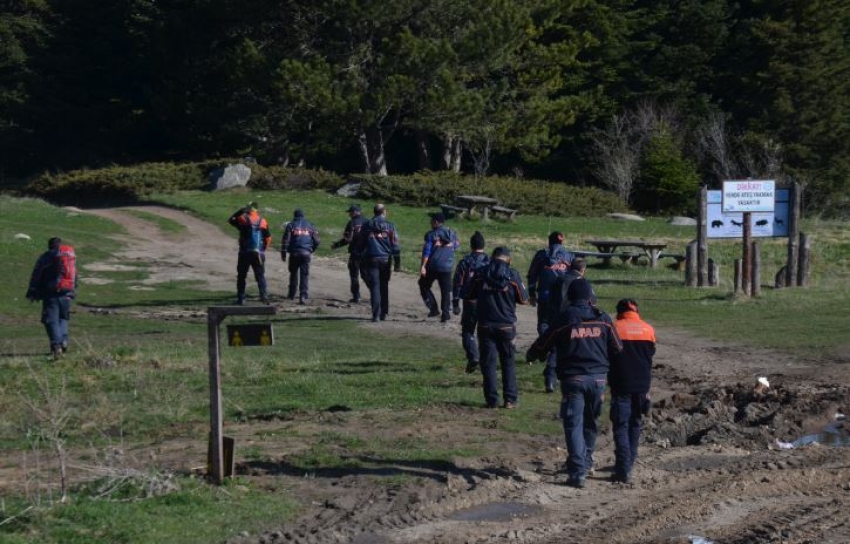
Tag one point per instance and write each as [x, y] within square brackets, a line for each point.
[300, 240]
[254, 238]
[352, 229]
[547, 266]
[630, 378]
[379, 249]
[464, 273]
[438, 259]
[497, 289]
[54, 282]
[586, 340]
[559, 300]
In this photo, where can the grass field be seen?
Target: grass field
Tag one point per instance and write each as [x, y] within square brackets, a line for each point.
[135, 382]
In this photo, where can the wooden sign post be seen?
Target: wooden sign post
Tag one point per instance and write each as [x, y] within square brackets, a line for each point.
[747, 196]
[215, 315]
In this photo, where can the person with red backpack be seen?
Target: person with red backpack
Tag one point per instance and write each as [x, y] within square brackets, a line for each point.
[254, 238]
[54, 283]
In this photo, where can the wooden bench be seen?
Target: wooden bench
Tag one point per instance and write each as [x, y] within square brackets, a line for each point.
[451, 211]
[501, 210]
[630, 257]
[681, 260]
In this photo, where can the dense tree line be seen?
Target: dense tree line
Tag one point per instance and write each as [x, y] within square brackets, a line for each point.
[649, 98]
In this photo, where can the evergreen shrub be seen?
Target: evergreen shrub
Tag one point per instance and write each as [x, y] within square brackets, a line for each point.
[528, 196]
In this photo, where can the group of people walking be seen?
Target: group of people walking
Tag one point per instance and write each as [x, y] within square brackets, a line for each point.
[584, 349]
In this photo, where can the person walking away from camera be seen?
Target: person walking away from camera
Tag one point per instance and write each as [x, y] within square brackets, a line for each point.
[497, 289]
[465, 271]
[54, 283]
[438, 259]
[559, 299]
[254, 238]
[300, 239]
[630, 378]
[380, 254]
[586, 340]
[352, 229]
[547, 266]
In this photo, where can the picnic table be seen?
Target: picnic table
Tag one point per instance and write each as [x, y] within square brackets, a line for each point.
[472, 203]
[609, 247]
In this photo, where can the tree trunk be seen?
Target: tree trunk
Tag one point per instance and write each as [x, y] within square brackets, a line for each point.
[423, 150]
[446, 157]
[377, 158]
[457, 154]
[362, 144]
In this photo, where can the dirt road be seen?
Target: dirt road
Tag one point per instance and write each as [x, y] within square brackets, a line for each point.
[710, 466]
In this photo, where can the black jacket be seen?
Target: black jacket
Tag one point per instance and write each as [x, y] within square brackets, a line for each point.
[585, 339]
[497, 288]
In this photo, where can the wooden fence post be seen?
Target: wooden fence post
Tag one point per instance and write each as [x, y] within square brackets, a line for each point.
[755, 287]
[793, 264]
[691, 264]
[805, 252]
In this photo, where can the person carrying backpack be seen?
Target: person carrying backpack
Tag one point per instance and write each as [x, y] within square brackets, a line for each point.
[464, 273]
[498, 288]
[438, 259]
[54, 283]
[300, 240]
[254, 238]
[547, 266]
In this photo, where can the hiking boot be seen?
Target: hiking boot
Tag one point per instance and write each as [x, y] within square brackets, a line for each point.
[445, 319]
[619, 478]
[240, 301]
[302, 300]
[265, 299]
[434, 313]
[510, 406]
[471, 367]
[383, 317]
[550, 387]
[354, 300]
[577, 482]
[64, 347]
[56, 352]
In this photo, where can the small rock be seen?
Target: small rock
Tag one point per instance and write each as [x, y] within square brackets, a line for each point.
[22, 236]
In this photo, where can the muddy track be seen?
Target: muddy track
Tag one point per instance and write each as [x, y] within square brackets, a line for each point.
[709, 465]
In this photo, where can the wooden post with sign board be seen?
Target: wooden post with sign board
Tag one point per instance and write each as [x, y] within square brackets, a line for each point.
[747, 196]
[215, 315]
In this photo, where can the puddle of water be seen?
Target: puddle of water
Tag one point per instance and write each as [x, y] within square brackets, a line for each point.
[497, 511]
[695, 539]
[835, 434]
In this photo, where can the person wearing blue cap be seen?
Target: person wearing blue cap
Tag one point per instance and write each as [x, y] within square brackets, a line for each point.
[438, 260]
[349, 235]
[300, 240]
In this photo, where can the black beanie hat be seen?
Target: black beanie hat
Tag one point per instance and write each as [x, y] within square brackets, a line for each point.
[477, 241]
[298, 213]
[556, 238]
[580, 290]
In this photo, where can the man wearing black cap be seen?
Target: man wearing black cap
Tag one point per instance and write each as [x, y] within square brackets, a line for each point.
[254, 238]
[464, 273]
[378, 244]
[586, 340]
[547, 266]
[498, 288]
[352, 229]
[438, 259]
[630, 377]
[300, 240]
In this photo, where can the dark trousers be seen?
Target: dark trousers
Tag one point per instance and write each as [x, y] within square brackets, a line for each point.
[497, 343]
[550, 376]
[55, 313]
[299, 273]
[581, 405]
[468, 322]
[626, 421]
[376, 275]
[444, 279]
[354, 275]
[256, 261]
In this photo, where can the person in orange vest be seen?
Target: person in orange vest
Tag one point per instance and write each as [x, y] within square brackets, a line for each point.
[254, 238]
[630, 377]
[54, 283]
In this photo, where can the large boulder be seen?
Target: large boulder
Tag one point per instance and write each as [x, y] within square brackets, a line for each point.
[349, 190]
[232, 175]
[625, 217]
[682, 221]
